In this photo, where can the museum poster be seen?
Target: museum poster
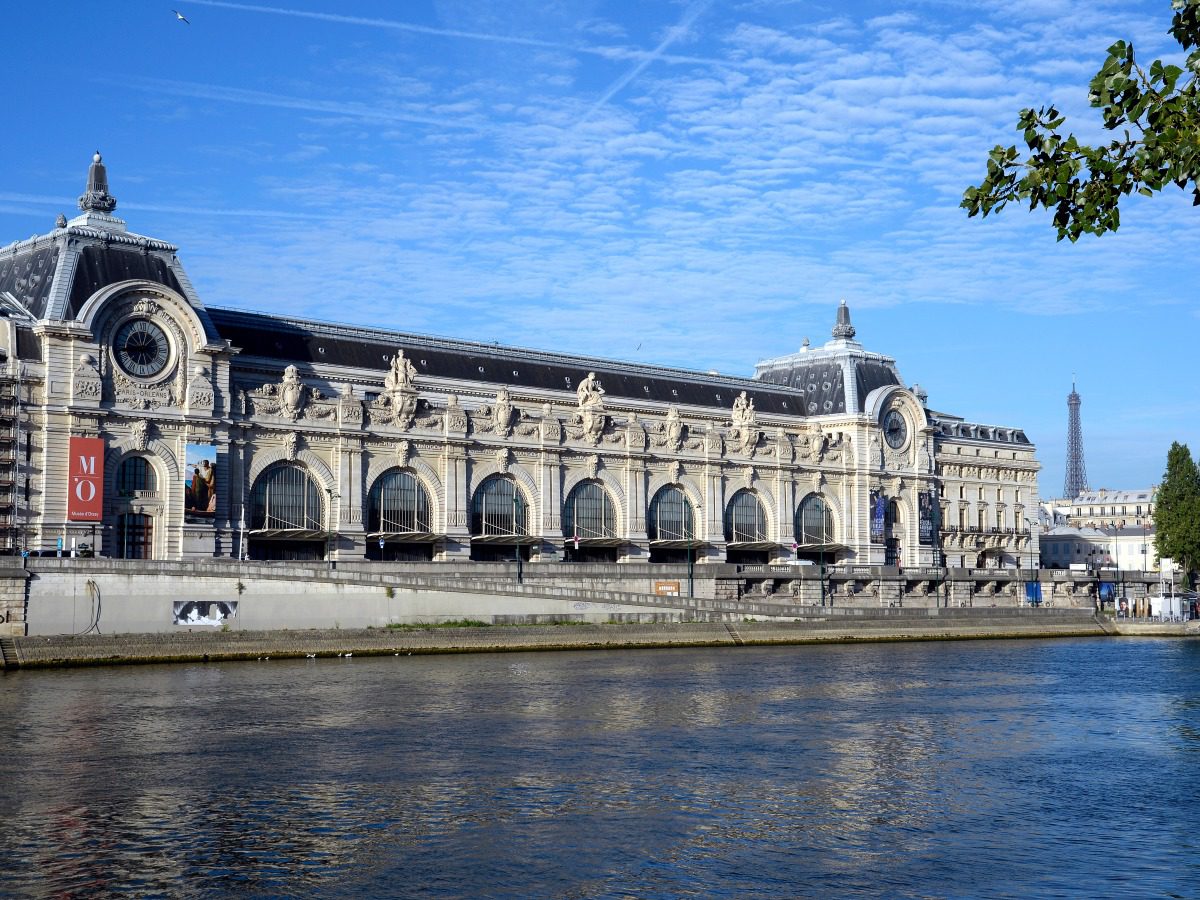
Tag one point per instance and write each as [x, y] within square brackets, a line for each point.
[200, 484]
[85, 498]
[878, 507]
[927, 513]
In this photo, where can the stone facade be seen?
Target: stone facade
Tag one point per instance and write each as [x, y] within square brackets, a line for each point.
[325, 441]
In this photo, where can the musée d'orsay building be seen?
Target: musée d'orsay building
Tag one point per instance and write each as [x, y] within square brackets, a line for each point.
[144, 423]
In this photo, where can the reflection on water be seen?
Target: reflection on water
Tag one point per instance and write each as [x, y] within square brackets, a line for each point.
[998, 768]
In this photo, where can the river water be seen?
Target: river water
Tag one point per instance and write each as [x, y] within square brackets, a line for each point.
[1056, 768]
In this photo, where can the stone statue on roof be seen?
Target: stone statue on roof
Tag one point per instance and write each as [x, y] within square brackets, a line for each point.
[589, 391]
[402, 375]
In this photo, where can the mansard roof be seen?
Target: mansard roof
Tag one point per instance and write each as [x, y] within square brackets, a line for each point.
[835, 378]
[51, 276]
[280, 341]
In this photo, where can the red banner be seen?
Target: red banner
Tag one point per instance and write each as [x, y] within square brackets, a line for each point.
[85, 498]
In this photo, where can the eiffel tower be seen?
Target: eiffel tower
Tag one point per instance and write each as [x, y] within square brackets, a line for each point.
[1076, 481]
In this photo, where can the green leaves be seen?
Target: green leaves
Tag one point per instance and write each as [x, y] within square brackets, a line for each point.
[1177, 510]
[1159, 144]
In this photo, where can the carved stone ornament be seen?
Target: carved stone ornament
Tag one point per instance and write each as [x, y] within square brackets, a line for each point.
[635, 436]
[133, 395]
[201, 397]
[349, 407]
[550, 426]
[805, 449]
[748, 475]
[675, 470]
[146, 307]
[285, 399]
[674, 429]
[455, 418]
[403, 451]
[399, 391]
[502, 459]
[502, 413]
[592, 465]
[291, 445]
[86, 383]
[140, 432]
[713, 444]
[783, 447]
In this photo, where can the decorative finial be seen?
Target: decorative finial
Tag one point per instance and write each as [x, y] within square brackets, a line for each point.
[61, 221]
[804, 344]
[96, 197]
[843, 329]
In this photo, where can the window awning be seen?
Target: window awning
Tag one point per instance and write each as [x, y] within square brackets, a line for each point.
[509, 539]
[406, 537]
[287, 534]
[594, 541]
[680, 545]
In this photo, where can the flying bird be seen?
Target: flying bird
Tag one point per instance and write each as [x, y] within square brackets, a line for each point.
[181, 17]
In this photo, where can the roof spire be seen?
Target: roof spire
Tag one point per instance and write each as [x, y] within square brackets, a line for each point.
[96, 197]
[843, 330]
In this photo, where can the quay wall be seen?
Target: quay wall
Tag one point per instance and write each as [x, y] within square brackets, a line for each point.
[213, 646]
[62, 596]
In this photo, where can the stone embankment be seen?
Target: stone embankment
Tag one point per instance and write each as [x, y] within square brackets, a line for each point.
[866, 626]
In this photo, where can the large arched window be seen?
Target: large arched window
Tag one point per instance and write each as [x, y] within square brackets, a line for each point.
[286, 498]
[670, 517]
[498, 508]
[589, 512]
[814, 521]
[745, 519]
[135, 474]
[398, 504]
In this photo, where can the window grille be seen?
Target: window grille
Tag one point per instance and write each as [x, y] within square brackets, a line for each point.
[589, 513]
[670, 517]
[745, 519]
[398, 503]
[499, 508]
[814, 521]
[285, 497]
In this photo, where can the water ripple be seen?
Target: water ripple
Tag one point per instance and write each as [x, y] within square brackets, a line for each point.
[1007, 769]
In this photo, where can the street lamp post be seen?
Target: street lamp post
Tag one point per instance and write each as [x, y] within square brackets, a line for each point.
[691, 591]
[517, 534]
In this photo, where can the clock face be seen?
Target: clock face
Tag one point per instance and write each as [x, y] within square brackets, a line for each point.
[141, 348]
[895, 429]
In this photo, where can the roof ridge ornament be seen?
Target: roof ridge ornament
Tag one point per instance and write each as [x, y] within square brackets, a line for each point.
[96, 197]
[843, 330]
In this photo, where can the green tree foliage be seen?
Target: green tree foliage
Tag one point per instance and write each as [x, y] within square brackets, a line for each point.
[1177, 510]
[1155, 117]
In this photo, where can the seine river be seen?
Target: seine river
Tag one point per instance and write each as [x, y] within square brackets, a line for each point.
[1060, 768]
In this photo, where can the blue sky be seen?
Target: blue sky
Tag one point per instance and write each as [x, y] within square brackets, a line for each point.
[692, 184]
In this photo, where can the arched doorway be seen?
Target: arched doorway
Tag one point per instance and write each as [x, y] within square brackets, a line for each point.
[499, 521]
[286, 515]
[399, 520]
[893, 551]
[671, 526]
[746, 529]
[815, 538]
[590, 524]
[136, 487]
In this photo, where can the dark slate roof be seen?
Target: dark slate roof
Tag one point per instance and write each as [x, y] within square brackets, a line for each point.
[28, 275]
[821, 383]
[100, 266]
[304, 342]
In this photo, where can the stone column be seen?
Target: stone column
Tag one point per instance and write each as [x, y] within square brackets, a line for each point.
[458, 504]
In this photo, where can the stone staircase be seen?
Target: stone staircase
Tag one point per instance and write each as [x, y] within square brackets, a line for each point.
[8, 654]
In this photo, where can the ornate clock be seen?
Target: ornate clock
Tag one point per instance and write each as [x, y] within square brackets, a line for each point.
[895, 429]
[141, 348]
